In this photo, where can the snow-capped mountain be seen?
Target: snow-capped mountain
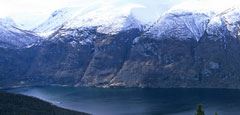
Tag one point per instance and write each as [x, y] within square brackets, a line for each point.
[56, 21]
[180, 25]
[181, 22]
[228, 20]
[107, 19]
[7, 22]
[187, 23]
[188, 45]
[11, 36]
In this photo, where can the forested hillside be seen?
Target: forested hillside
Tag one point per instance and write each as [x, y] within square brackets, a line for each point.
[16, 104]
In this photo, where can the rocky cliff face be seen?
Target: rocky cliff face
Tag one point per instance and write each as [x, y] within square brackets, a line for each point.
[176, 63]
[181, 49]
[185, 50]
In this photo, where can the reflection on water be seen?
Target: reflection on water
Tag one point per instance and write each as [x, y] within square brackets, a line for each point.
[100, 101]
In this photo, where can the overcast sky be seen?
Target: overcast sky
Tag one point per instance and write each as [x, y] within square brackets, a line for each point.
[33, 12]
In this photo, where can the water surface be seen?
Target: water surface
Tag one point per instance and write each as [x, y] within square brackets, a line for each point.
[99, 101]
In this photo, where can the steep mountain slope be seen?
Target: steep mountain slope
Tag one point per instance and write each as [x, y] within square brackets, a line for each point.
[15, 51]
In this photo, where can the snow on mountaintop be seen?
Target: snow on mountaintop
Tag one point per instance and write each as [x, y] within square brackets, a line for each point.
[183, 19]
[182, 22]
[56, 21]
[190, 20]
[229, 19]
[35, 12]
[232, 20]
[7, 22]
[182, 26]
[11, 36]
[108, 19]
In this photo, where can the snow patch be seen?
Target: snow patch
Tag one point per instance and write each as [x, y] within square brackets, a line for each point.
[181, 25]
[108, 19]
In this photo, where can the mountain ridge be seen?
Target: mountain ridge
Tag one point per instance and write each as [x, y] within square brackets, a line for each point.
[182, 48]
[13, 37]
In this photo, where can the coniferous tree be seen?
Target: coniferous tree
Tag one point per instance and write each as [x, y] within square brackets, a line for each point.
[199, 110]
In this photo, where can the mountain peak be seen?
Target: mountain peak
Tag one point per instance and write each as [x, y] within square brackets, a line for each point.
[226, 21]
[191, 23]
[13, 37]
[7, 22]
[56, 21]
[181, 25]
[108, 19]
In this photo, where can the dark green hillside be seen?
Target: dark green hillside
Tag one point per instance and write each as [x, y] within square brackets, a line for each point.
[16, 104]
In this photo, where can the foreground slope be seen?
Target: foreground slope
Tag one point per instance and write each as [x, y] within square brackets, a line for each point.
[16, 104]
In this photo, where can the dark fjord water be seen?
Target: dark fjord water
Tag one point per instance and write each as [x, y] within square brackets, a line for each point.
[98, 101]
